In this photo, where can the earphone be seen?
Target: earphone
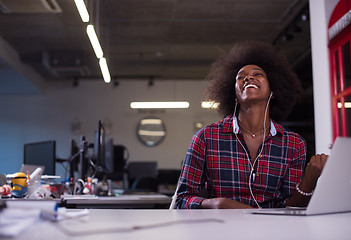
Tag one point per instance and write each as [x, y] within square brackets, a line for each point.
[252, 174]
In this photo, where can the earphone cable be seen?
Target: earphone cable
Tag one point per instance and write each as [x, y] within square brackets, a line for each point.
[262, 146]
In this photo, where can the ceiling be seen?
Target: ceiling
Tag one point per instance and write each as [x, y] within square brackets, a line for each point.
[153, 39]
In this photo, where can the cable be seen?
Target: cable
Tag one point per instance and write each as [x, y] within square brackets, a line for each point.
[91, 231]
[76, 155]
[262, 146]
[75, 186]
[96, 167]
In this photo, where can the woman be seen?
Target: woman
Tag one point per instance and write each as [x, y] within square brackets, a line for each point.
[248, 159]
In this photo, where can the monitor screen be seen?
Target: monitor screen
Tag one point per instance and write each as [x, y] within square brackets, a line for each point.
[99, 145]
[74, 158]
[41, 153]
[109, 156]
[115, 160]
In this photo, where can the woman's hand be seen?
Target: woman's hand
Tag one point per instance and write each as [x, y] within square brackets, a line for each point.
[222, 203]
[312, 172]
[314, 169]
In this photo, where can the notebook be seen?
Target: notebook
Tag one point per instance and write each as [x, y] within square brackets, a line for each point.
[333, 190]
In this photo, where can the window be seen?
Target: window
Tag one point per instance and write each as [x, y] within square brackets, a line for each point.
[340, 63]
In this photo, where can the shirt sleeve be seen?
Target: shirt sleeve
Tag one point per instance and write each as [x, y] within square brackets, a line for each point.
[294, 172]
[192, 178]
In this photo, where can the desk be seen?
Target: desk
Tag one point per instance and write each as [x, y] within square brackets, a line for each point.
[4, 200]
[122, 201]
[193, 224]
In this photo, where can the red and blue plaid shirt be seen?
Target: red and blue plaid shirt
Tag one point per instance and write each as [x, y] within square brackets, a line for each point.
[217, 163]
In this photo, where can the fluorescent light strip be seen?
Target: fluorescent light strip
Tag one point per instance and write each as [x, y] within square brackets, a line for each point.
[347, 104]
[94, 41]
[149, 105]
[209, 105]
[152, 133]
[151, 121]
[104, 70]
[82, 9]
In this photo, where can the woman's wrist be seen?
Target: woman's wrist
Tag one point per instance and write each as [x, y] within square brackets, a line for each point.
[306, 194]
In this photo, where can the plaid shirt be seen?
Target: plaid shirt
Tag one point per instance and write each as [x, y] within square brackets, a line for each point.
[217, 163]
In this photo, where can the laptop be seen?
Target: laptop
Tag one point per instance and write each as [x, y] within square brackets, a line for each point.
[30, 168]
[332, 193]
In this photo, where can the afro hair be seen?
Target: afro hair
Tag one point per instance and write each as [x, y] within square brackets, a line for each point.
[283, 82]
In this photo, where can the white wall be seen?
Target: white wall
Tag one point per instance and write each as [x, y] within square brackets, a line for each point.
[320, 12]
[49, 116]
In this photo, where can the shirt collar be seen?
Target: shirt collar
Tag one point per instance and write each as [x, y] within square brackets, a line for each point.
[273, 130]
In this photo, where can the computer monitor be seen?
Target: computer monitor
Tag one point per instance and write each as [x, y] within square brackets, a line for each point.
[116, 157]
[74, 158]
[109, 156]
[120, 157]
[99, 146]
[41, 153]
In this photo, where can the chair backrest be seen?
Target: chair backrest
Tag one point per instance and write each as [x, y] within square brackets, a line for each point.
[145, 184]
[142, 169]
[139, 174]
[174, 197]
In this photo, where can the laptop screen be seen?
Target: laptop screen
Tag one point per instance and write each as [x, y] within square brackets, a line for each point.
[42, 154]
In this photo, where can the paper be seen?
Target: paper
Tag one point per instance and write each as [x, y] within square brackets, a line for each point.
[20, 215]
[14, 221]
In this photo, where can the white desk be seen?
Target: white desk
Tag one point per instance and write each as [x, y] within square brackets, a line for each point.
[121, 201]
[221, 224]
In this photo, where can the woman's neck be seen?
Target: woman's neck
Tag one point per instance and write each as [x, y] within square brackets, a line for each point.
[253, 117]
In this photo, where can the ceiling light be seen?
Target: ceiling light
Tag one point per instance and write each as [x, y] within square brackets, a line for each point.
[304, 17]
[152, 133]
[209, 104]
[151, 121]
[347, 104]
[82, 9]
[94, 41]
[150, 105]
[104, 70]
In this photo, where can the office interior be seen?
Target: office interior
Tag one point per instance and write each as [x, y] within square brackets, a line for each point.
[39, 110]
[35, 109]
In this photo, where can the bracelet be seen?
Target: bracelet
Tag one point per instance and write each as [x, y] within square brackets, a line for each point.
[302, 192]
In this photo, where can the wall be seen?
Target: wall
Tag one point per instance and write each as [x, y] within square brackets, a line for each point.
[33, 118]
[320, 12]
[49, 116]
[16, 77]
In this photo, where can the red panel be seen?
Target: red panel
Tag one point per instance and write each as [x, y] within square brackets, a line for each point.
[333, 90]
[341, 8]
[338, 95]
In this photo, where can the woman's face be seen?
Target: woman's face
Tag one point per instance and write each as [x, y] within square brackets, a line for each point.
[252, 84]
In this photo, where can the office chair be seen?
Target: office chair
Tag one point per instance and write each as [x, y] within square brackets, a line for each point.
[142, 176]
[145, 184]
[174, 198]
